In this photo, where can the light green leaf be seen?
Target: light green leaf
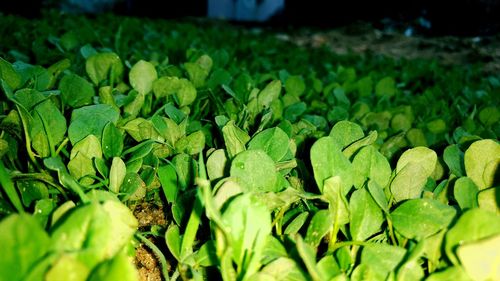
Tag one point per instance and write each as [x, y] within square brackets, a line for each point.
[366, 216]
[320, 225]
[117, 174]
[328, 161]
[89, 147]
[104, 66]
[473, 225]
[90, 120]
[386, 87]
[481, 259]
[186, 93]
[141, 76]
[382, 258]
[421, 218]
[269, 94]
[283, 269]
[80, 167]
[141, 129]
[273, 141]
[119, 268]
[489, 199]
[482, 159]
[254, 171]
[191, 144]
[235, 138]
[23, 242]
[76, 91]
[454, 159]
[371, 164]
[295, 85]
[465, 192]
[216, 164]
[346, 132]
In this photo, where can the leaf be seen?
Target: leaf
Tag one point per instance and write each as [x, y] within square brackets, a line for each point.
[141, 129]
[133, 187]
[168, 179]
[308, 255]
[366, 217]
[481, 259]
[320, 225]
[192, 144]
[328, 161]
[250, 224]
[75, 91]
[99, 66]
[296, 224]
[345, 132]
[9, 74]
[117, 174]
[235, 138]
[272, 141]
[273, 250]
[478, 157]
[270, 92]
[90, 120]
[338, 207]
[254, 171]
[283, 269]
[489, 199]
[368, 163]
[382, 258]
[165, 86]
[450, 273]
[454, 158]
[173, 239]
[89, 147]
[377, 193]
[295, 85]
[413, 169]
[112, 141]
[141, 77]
[465, 192]
[420, 218]
[216, 164]
[386, 87]
[186, 94]
[119, 268]
[23, 242]
[69, 268]
[473, 225]
[328, 267]
[82, 169]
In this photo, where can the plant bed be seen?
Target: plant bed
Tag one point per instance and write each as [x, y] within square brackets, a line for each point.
[242, 156]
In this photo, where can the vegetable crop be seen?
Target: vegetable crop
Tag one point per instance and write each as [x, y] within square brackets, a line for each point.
[272, 162]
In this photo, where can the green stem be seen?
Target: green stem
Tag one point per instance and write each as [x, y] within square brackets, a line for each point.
[191, 228]
[159, 255]
[9, 188]
[391, 232]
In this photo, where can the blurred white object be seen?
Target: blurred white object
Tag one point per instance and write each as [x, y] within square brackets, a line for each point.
[244, 10]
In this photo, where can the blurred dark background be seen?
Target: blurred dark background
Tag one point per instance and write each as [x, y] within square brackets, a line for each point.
[430, 17]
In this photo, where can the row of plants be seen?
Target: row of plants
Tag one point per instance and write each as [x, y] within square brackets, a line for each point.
[273, 162]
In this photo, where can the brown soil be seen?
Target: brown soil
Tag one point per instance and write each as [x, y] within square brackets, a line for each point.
[149, 214]
[362, 38]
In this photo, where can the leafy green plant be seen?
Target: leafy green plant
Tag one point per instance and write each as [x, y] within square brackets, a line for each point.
[271, 161]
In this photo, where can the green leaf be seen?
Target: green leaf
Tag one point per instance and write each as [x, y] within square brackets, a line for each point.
[90, 120]
[368, 163]
[473, 225]
[270, 93]
[320, 225]
[173, 239]
[382, 258]
[168, 179]
[141, 129]
[328, 161]
[191, 144]
[104, 66]
[450, 273]
[112, 141]
[141, 76]
[217, 164]
[273, 250]
[454, 158]
[465, 192]
[186, 94]
[413, 169]
[254, 171]
[420, 218]
[75, 91]
[119, 268]
[9, 74]
[481, 162]
[481, 259]
[345, 132]
[89, 147]
[250, 223]
[296, 224]
[117, 174]
[386, 87]
[82, 169]
[295, 85]
[338, 207]
[133, 187]
[23, 242]
[165, 86]
[234, 138]
[272, 141]
[282, 269]
[366, 217]
[68, 267]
